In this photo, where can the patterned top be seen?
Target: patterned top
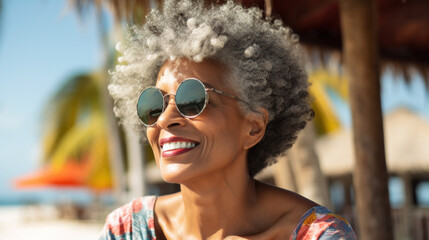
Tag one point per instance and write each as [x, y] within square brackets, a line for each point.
[320, 223]
[135, 221]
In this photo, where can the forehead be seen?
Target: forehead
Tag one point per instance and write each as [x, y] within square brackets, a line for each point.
[172, 73]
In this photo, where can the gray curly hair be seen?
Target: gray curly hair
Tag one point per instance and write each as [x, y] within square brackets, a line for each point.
[263, 57]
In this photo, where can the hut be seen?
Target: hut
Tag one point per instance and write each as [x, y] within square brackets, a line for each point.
[407, 158]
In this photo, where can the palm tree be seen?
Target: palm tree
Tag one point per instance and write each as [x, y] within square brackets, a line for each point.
[75, 134]
[129, 12]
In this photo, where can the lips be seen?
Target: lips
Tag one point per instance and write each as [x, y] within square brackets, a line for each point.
[174, 146]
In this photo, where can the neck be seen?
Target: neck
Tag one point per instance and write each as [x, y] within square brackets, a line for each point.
[218, 205]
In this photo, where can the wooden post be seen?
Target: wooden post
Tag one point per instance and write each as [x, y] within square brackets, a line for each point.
[408, 207]
[358, 26]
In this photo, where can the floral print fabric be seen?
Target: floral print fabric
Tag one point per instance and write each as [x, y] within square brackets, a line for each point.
[321, 224]
[135, 221]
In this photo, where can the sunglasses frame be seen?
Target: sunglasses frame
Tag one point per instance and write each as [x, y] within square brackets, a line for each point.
[174, 95]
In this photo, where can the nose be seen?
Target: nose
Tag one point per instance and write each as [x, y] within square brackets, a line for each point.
[171, 116]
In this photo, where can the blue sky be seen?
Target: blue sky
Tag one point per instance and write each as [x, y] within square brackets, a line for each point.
[395, 93]
[41, 45]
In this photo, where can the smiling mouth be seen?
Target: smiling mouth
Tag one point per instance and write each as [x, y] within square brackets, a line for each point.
[178, 145]
[174, 148]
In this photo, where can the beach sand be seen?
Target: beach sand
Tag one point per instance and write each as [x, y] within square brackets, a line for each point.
[42, 223]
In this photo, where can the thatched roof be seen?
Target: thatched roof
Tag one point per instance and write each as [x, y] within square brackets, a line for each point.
[406, 141]
[403, 32]
[403, 25]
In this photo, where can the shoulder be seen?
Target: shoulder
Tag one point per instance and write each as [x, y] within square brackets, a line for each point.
[284, 202]
[134, 218]
[282, 208]
[305, 219]
[320, 223]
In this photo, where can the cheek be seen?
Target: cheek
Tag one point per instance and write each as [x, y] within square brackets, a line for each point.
[222, 139]
[151, 133]
[152, 136]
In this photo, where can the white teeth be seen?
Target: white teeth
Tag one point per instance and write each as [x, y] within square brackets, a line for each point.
[177, 145]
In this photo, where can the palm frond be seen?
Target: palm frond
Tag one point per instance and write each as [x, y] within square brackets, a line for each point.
[130, 11]
[85, 145]
[334, 81]
[75, 131]
[76, 99]
[78, 141]
[326, 119]
[134, 11]
[100, 175]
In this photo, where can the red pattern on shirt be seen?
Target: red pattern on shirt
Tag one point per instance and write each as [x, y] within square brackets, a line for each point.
[119, 221]
[137, 205]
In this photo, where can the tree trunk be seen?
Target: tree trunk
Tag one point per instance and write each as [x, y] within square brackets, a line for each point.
[358, 22]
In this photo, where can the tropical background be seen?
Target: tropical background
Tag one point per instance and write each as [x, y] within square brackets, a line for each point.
[65, 164]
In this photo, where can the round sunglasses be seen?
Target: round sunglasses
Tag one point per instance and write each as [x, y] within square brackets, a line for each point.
[191, 99]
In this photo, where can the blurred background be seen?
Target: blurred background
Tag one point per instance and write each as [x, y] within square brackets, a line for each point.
[65, 163]
[43, 44]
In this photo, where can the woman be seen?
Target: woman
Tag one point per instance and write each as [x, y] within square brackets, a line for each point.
[219, 94]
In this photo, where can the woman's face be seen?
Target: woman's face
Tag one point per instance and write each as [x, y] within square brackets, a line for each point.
[218, 133]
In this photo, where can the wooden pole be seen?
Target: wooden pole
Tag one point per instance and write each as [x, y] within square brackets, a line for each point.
[358, 26]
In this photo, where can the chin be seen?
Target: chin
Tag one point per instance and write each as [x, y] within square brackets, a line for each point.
[174, 173]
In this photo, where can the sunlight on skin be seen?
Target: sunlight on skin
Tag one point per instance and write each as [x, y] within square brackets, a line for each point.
[218, 198]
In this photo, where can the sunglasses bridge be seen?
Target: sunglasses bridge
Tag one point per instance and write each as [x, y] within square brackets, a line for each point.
[206, 89]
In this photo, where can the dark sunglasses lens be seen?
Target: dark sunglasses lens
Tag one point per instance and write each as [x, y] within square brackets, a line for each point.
[150, 105]
[191, 98]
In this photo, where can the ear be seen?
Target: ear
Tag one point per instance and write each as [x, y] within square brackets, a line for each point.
[257, 123]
